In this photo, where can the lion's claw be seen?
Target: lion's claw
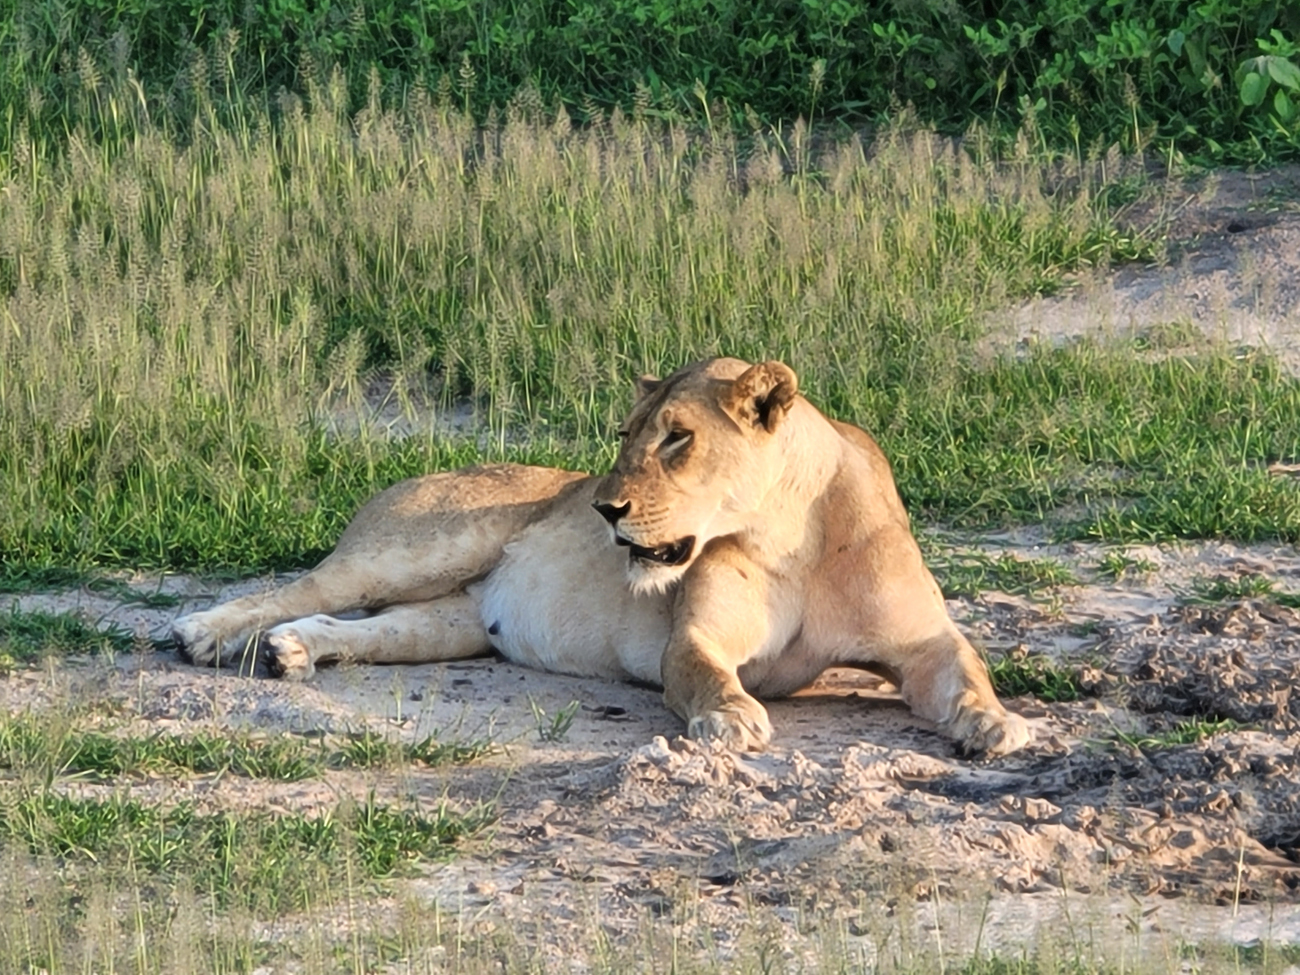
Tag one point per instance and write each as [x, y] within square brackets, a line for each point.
[742, 726]
[989, 733]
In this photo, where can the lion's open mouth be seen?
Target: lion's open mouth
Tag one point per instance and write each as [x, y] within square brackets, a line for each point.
[673, 553]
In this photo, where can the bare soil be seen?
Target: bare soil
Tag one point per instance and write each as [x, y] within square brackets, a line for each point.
[858, 799]
[860, 813]
[1230, 272]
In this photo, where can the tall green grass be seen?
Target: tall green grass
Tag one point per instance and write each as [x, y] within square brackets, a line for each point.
[183, 323]
[116, 920]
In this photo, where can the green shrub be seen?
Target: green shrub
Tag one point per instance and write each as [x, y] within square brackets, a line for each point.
[1084, 70]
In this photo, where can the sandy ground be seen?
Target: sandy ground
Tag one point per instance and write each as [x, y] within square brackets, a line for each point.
[857, 800]
[860, 812]
[1231, 272]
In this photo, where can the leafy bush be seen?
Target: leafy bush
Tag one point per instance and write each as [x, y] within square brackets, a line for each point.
[1086, 70]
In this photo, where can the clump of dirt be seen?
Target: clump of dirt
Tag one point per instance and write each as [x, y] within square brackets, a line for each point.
[1239, 662]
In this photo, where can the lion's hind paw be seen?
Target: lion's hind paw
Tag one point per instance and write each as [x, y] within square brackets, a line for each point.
[285, 653]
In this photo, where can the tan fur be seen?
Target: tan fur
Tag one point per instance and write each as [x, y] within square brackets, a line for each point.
[800, 557]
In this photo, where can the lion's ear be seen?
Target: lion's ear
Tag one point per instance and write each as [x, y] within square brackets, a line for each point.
[763, 394]
[646, 385]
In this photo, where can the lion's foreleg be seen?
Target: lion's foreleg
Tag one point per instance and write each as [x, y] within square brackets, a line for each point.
[448, 628]
[702, 686]
[721, 621]
[944, 680]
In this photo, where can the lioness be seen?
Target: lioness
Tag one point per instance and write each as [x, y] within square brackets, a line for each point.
[764, 543]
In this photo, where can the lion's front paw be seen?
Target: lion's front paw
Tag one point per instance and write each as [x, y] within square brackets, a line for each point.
[286, 653]
[990, 733]
[740, 725]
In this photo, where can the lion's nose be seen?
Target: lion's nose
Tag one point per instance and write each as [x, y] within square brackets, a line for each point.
[610, 513]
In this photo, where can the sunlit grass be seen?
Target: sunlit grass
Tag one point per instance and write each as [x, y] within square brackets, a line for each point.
[970, 573]
[130, 921]
[182, 323]
[31, 745]
[264, 862]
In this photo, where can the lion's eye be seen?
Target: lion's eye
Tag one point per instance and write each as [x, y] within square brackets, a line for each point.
[675, 438]
[622, 435]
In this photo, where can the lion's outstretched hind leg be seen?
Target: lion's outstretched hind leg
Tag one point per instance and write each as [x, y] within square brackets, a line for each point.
[416, 541]
[449, 628]
[229, 632]
[944, 680]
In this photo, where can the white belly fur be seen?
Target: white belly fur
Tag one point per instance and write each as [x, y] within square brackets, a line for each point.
[559, 601]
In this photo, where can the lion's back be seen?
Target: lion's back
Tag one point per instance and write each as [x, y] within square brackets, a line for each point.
[476, 499]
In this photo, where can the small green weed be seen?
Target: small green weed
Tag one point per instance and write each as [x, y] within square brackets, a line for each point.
[1117, 563]
[434, 752]
[1017, 673]
[556, 726]
[1183, 733]
[26, 634]
[387, 837]
[1225, 588]
[369, 749]
[971, 573]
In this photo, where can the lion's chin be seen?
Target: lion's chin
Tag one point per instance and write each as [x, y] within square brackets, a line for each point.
[649, 579]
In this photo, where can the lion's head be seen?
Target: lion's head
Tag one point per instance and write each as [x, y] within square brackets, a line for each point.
[700, 452]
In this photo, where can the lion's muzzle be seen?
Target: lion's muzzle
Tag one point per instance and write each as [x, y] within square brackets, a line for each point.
[670, 553]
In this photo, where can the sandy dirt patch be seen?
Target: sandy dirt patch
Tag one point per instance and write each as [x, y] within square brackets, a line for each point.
[857, 800]
[1230, 273]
